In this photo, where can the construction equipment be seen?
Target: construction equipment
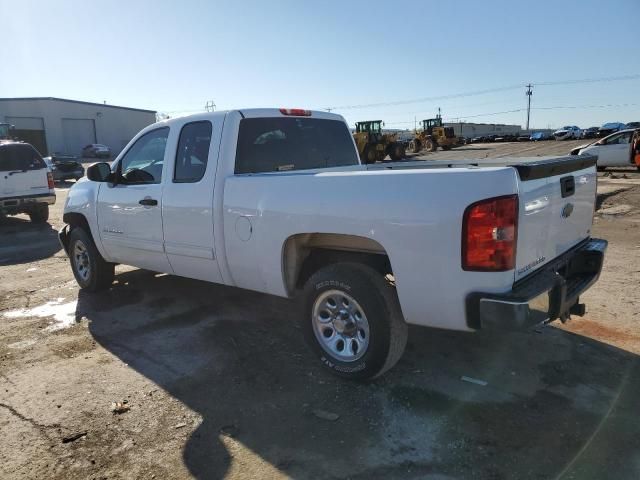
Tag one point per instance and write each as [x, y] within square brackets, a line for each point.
[433, 135]
[373, 145]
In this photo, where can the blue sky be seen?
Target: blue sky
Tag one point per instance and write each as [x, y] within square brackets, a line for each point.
[174, 56]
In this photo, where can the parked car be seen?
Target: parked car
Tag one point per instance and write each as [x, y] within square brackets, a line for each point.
[567, 133]
[632, 125]
[64, 167]
[609, 128]
[591, 132]
[613, 150]
[539, 136]
[220, 197]
[484, 139]
[507, 137]
[26, 184]
[96, 150]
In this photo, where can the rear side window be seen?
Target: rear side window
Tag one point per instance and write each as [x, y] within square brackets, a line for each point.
[283, 144]
[20, 157]
[193, 151]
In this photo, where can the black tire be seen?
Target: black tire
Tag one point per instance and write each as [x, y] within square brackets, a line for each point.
[100, 272]
[39, 214]
[446, 147]
[387, 336]
[369, 155]
[396, 151]
[415, 146]
[430, 145]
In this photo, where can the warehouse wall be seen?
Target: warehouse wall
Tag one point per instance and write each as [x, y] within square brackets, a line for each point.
[471, 130]
[112, 126]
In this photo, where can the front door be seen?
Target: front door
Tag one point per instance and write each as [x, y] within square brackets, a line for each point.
[615, 150]
[130, 210]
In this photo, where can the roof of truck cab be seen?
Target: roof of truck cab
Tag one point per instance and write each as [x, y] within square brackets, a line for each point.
[254, 113]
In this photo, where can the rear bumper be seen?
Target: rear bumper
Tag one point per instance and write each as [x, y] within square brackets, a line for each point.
[23, 203]
[547, 294]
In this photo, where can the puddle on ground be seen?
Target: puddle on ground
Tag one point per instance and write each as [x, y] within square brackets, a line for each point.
[64, 314]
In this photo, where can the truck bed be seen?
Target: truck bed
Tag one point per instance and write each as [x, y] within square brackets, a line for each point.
[529, 168]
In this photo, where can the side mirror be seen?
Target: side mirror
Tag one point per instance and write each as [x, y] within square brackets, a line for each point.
[99, 172]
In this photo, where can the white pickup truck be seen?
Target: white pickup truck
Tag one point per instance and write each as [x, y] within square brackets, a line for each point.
[277, 201]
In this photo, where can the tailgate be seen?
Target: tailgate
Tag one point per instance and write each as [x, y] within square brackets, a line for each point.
[557, 198]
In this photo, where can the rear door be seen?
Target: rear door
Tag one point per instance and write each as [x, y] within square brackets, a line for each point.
[187, 201]
[129, 212]
[22, 171]
[555, 211]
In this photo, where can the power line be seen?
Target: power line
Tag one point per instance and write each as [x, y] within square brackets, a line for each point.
[486, 91]
[590, 80]
[426, 99]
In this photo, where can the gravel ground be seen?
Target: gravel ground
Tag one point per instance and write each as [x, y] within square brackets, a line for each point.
[217, 381]
[509, 149]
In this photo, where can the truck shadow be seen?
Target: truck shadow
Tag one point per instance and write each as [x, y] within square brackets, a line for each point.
[22, 241]
[554, 402]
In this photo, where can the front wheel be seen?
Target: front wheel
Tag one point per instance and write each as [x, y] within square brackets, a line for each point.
[352, 321]
[430, 145]
[92, 272]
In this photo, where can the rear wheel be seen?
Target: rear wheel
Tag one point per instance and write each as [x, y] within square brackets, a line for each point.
[414, 146]
[40, 214]
[92, 272]
[352, 321]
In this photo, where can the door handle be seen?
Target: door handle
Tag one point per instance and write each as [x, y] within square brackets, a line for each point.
[148, 202]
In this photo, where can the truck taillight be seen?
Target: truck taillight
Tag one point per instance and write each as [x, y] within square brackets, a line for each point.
[295, 112]
[50, 180]
[489, 234]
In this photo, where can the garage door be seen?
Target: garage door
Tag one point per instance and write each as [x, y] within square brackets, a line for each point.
[30, 130]
[77, 132]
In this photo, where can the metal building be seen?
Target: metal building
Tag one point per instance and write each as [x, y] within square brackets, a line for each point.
[471, 130]
[57, 125]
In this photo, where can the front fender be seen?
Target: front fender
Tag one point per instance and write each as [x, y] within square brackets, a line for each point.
[82, 200]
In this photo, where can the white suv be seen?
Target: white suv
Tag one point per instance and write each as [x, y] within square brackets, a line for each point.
[26, 184]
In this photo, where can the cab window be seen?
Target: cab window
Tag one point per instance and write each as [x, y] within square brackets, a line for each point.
[283, 144]
[192, 152]
[143, 162]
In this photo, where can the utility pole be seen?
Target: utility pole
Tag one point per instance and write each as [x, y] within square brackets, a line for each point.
[210, 106]
[529, 93]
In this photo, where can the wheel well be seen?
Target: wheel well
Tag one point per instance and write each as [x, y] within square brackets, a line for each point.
[304, 254]
[74, 220]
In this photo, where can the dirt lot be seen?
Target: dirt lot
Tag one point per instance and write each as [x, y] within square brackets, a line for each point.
[219, 384]
[497, 150]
